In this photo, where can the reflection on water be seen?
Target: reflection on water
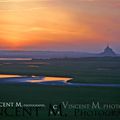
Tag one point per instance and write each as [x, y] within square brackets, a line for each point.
[36, 63]
[48, 79]
[16, 59]
[33, 78]
[9, 76]
[59, 81]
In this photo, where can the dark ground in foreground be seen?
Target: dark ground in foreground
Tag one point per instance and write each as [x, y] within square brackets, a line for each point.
[84, 70]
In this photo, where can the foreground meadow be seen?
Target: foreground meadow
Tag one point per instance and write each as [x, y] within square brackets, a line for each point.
[85, 70]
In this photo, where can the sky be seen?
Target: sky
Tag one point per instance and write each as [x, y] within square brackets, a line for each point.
[59, 25]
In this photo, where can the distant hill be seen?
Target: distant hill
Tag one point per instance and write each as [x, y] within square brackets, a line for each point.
[43, 54]
[55, 54]
[108, 52]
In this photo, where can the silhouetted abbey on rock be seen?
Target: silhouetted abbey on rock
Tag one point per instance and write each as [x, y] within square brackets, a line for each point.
[108, 52]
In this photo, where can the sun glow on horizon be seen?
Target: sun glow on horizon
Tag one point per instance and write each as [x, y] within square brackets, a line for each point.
[44, 24]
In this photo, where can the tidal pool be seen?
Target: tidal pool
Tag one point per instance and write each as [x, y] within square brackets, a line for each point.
[9, 76]
[48, 79]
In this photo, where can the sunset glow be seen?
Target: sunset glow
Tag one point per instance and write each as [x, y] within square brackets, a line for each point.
[59, 24]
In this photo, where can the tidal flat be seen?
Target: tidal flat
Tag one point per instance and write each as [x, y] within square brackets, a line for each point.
[83, 70]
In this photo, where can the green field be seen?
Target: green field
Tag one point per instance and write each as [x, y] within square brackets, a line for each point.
[84, 70]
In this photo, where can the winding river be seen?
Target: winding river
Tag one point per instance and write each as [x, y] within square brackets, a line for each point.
[53, 81]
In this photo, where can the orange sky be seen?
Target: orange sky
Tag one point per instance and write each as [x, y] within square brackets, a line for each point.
[84, 25]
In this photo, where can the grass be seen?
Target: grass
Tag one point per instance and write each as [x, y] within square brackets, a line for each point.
[36, 94]
[89, 70]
